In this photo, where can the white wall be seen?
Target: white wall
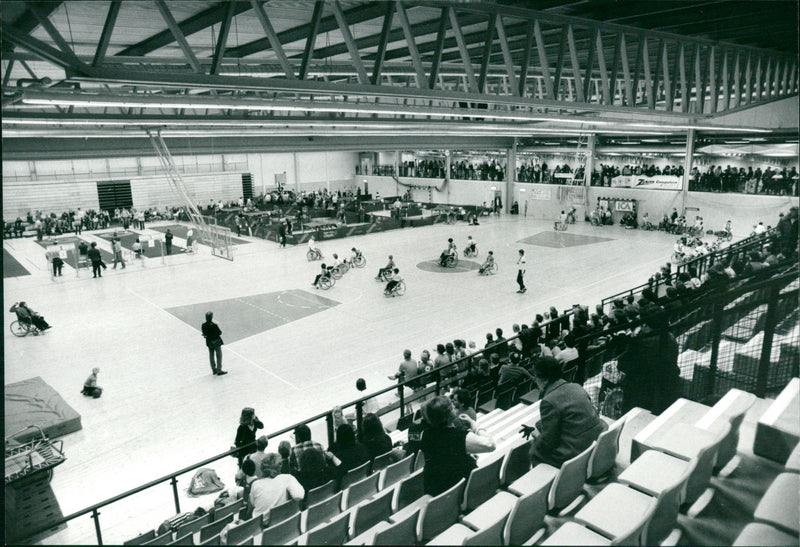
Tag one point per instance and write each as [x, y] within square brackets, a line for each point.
[456, 192]
[47, 197]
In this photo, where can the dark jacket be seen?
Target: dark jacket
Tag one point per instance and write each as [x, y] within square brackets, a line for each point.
[652, 376]
[211, 332]
[569, 423]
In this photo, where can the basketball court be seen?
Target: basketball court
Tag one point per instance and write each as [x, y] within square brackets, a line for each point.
[292, 351]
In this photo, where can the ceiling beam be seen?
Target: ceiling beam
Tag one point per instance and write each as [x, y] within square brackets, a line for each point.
[355, 56]
[178, 35]
[360, 14]
[222, 39]
[422, 80]
[105, 36]
[258, 8]
[42, 50]
[437, 54]
[193, 24]
[316, 17]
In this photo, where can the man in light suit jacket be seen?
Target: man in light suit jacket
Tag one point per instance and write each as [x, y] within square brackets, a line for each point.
[569, 422]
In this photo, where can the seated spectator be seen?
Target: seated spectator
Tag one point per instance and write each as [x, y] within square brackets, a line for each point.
[351, 452]
[501, 345]
[285, 450]
[244, 479]
[462, 402]
[314, 470]
[374, 437]
[569, 422]
[303, 443]
[569, 353]
[513, 372]
[447, 448]
[275, 488]
[258, 455]
[478, 373]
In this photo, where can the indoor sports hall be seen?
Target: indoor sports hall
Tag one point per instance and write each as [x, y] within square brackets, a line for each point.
[609, 187]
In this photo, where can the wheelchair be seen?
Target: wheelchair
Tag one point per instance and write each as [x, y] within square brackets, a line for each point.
[314, 254]
[397, 290]
[559, 226]
[24, 328]
[339, 271]
[451, 261]
[386, 275]
[326, 282]
[490, 269]
[468, 252]
[359, 261]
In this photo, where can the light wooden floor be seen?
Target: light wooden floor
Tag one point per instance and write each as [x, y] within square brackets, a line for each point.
[163, 410]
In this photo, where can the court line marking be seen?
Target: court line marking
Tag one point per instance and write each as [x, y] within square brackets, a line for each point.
[228, 349]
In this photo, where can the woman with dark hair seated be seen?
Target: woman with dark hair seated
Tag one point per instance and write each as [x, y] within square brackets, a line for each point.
[447, 446]
[351, 452]
[569, 422]
[314, 470]
[374, 437]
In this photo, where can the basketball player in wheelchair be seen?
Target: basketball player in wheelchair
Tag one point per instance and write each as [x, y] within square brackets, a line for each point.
[561, 224]
[449, 254]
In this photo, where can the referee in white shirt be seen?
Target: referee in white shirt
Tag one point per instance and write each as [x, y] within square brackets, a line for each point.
[521, 272]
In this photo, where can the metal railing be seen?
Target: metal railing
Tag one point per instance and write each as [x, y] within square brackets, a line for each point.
[702, 263]
[711, 304]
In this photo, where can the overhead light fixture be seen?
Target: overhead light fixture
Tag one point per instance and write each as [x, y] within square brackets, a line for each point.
[227, 103]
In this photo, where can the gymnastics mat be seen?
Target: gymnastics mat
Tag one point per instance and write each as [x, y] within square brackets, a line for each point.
[34, 402]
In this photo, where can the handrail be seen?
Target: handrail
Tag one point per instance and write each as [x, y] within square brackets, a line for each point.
[737, 247]
[436, 374]
[358, 403]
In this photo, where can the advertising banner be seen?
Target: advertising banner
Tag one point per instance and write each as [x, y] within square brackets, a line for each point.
[539, 193]
[624, 206]
[657, 182]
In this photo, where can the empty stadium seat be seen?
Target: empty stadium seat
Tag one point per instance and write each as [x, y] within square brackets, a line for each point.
[395, 472]
[186, 539]
[780, 506]
[410, 490]
[401, 532]
[215, 527]
[382, 461]
[616, 510]
[764, 535]
[282, 532]
[141, 538]
[232, 508]
[604, 456]
[370, 513]
[778, 430]
[690, 443]
[322, 511]
[244, 531]
[793, 463]
[332, 533]
[458, 534]
[566, 483]
[355, 475]
[162, 539]
[732, 407]
[281, 512]
[440, 512]
[360, 490]
[193, 526]
[213, 540]
[320, 493]
[516, 462]
[482, 484]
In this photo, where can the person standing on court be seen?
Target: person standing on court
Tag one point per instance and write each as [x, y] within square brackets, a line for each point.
[168, 241]
[116, 247]
[213, 336]
[97, 260]
[521, 271]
